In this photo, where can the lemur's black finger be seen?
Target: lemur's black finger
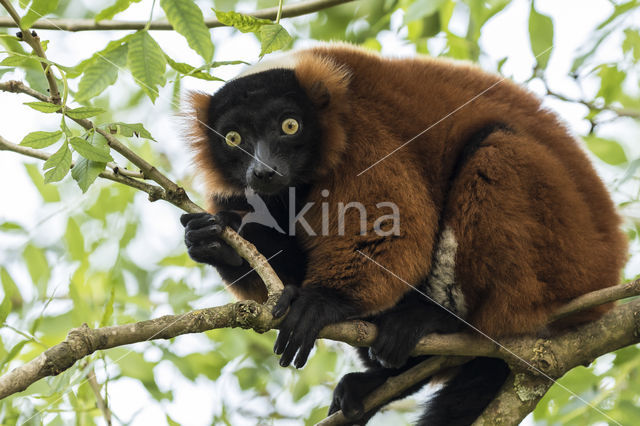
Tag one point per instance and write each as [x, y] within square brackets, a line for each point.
[188, 217]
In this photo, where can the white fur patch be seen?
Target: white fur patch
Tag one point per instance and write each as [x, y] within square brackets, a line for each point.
[287, 60]
[442, 281]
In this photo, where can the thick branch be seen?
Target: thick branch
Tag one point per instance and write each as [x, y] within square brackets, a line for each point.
[290, 11]
[34, 41]
[548, 358]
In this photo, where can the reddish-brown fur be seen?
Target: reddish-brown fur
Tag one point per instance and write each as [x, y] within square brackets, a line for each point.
[535, 225]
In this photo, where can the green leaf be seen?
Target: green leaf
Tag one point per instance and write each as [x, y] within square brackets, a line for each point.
[631, 43]
[14, 61]
[611, 79]
[5, 309]
[607, 150]
[10, 226]
[422, 8]
[273, 37]
[37, 264]
[186, 18]
[146, 62]
[84, 112]
[78, 69]
[33, 70]
[47, 107]
[111, 11]
[102, 73]
[10, 288]
[89, 151]
[85, 171]
[129, 130]
[243, 23]
[190, 71]
[108, 310]
[540, 36]
[41, 139]
[49, 193]
[38, 9]
[75, 240]
[58, 165]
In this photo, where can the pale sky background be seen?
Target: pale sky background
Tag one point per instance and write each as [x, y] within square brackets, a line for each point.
[504, 36]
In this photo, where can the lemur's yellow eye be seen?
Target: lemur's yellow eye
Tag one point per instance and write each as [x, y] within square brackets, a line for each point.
[290, 126]
[233, 138]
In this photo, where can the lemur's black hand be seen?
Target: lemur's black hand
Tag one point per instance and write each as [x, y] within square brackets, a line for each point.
[310, 309]
[202, 236]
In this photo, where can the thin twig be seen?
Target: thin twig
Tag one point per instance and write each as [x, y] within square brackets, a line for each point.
[34, 41]
[598, 297]
[298, 9]
[155, 192]
[173, 193]
[102, 404]
[620, 112]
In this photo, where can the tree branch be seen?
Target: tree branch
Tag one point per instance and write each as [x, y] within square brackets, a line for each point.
[550, 358]
[173, 193]
[290, 11]
[34, 41]
[620, 112]
[100, 402]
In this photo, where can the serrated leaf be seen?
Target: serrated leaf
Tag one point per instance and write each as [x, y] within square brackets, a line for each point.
[85, 171]
[186, 18]
[129, 130]
[111, 11]
[243, 23]
[607, 150]
[146, 61]
[58, 165]
[41, 139]
[46, 107]
[540, 36]
[190, 71]
[273, 37]
[101, 73]
[90, 152]
[84, 112]
[38, 9]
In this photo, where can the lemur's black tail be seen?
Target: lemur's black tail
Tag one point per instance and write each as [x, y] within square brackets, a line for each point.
[465, 396]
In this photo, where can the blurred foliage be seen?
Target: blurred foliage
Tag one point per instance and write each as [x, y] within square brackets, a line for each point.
[93, 272]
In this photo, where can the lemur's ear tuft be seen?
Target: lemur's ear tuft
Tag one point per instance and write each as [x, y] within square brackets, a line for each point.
[319, 94]
[327, 85]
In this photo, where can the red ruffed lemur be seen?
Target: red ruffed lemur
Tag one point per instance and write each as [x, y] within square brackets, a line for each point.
[499, 216]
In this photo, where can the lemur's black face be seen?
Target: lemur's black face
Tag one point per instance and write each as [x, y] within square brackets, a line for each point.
[264, 132]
